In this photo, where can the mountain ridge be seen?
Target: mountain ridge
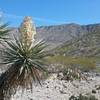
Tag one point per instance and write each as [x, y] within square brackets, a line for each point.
[55, 35]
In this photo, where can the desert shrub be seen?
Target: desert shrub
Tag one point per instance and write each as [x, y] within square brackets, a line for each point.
[70, 74]
[83, 97]
[83, 63]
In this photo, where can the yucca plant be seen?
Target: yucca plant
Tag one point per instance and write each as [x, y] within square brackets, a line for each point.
[4, 32]
[25, 63]
[24, 67]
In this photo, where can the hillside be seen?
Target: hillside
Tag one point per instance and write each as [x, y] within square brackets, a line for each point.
[58, 34]
[86, 45]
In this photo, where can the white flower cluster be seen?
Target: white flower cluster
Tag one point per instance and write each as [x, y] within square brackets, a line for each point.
[27, 30]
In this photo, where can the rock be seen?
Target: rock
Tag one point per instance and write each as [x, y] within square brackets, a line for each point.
[94, 91]
[60, 76]
[47, 86]
[98, 87]
[62, 92]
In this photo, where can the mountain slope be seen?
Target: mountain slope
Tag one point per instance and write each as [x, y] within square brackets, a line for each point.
[86, 45]
[58, 34]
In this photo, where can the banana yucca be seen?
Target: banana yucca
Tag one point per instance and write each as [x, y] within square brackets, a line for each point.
[25, 63]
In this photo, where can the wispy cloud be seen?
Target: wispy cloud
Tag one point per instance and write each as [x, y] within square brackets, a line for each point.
[1, 13]
[17, 17]
[45, 20]
[12, 16]
[34, 18]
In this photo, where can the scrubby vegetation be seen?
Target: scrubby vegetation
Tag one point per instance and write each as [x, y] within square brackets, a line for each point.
[72, 74]
[83, 97]
[83, 63]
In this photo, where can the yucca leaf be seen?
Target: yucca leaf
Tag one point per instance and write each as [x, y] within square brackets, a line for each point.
[27, 61]
[4, 31]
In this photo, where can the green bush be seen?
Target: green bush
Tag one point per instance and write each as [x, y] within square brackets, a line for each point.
[72, 74]
[83, 97]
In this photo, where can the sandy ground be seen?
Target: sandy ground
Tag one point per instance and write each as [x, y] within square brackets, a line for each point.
[55, 89]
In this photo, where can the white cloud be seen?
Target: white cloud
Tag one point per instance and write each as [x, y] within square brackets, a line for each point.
[34, 18]
[12, 16]
[17, 17]
[45, 20]
[1, 13]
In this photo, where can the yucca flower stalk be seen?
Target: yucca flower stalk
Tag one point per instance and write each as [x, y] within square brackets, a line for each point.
[27, 30]
[25, 64]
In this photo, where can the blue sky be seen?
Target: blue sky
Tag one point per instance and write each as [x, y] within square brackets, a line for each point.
[50, 12]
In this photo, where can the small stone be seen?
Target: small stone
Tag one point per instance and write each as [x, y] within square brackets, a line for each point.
[48, 97]
[62, 92]
[94, 91]
[98, 87]
[64, 86]
[47, 86]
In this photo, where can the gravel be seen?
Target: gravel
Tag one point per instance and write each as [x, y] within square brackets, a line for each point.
[55, 89]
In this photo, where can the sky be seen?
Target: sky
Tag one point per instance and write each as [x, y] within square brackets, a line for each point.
[50, 12]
